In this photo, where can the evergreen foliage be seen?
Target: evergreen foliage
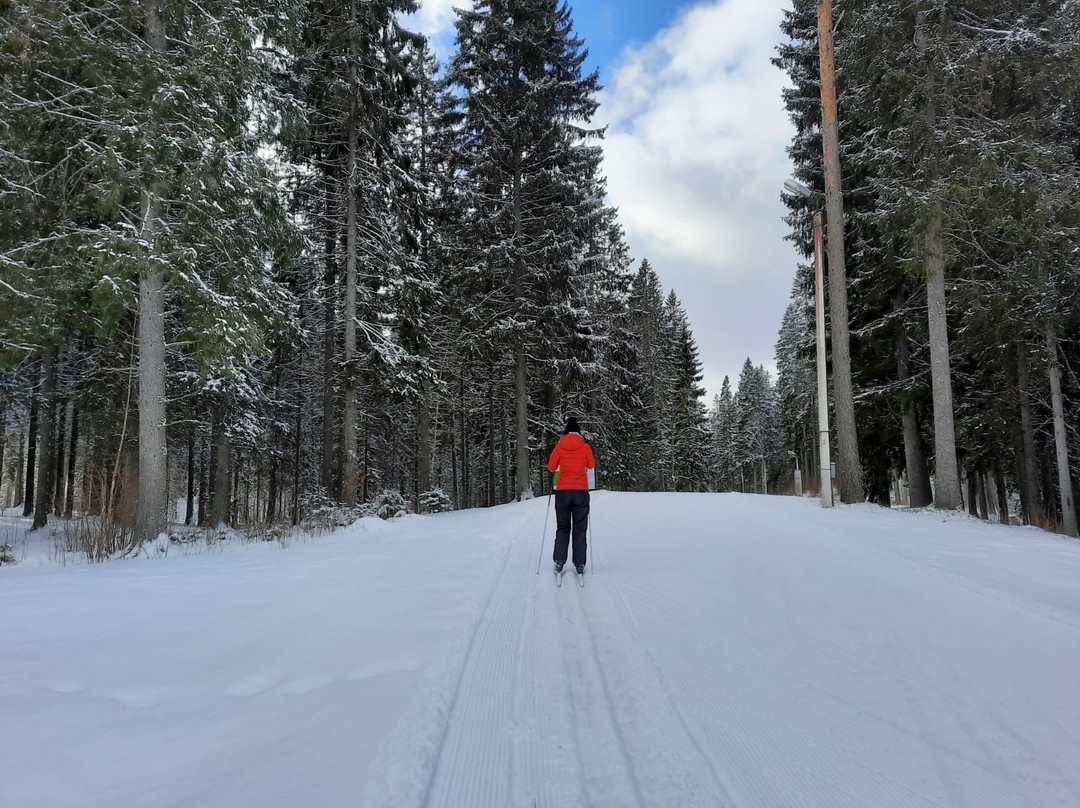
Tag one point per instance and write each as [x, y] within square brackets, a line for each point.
[383, 286]
[960, 149]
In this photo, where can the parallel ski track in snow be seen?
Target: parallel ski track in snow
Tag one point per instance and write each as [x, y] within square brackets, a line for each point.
[777, 734]
[554, 708]
[505, 742]
[663, 761]
[612, 696]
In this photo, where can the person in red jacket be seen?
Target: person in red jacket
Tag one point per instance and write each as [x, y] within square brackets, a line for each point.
[571, 457]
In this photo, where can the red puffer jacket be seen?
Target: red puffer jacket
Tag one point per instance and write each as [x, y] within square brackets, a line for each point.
[571, 456]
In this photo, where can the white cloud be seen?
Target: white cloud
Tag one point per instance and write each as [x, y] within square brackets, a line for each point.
[695, 160]
[435, 18]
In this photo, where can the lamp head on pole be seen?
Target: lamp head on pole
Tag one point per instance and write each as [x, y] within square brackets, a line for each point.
[796, 188]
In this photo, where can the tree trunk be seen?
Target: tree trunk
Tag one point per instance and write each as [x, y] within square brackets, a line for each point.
[455, 490]
[1002, 496]
[127, 487]
[297, 457]
[504, 454]
[243, 508]
[59, 477]
[233, 506]
[466, 481]
[3, 446]
[1032, 498]
[424, 438]
[20, 459]
[31, 446]
[1061, 442]
[365, 475]
[521, 389]
[46, 433]
[69, 499]
[521, 396]
[206, 481]
[152, 509]
[947, 493]
[946, 471]
[850, 470]
[491, 437]
[329, 345]
[918, 473]
[220, 510]
[272, 492]
[984, 511]
[189, 505]
[973, 493]
[348, 424]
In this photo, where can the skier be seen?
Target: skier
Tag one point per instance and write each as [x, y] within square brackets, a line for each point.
[571, 457]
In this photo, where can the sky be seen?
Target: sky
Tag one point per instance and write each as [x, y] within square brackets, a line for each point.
[694, 157]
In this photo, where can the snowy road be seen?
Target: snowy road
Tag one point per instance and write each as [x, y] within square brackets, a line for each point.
[749, 659]
[728, 651]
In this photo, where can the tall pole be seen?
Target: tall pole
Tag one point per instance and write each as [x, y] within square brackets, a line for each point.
[851, 485]
[822, 383]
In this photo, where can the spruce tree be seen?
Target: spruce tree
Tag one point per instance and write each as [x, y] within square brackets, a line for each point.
[533, 196]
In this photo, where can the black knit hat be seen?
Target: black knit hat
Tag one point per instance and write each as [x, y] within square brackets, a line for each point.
[571, 426]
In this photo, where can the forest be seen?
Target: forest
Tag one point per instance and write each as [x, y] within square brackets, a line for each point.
[264, 263]
[959, 132]
[261, 263]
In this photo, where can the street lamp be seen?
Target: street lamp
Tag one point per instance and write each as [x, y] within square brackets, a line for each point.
[796, 188]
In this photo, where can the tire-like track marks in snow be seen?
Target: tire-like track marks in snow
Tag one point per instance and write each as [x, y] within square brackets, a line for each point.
[501, 744]
[714, 669]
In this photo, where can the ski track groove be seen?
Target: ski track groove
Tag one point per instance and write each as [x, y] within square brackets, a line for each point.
[955, 579]
[681, 747]
[609, 704]
[605, 776]
[970, 691]
[721, 796]
[433, 790]
[611, 700]
[497, 750]
[745, 746]
[774, 719]
[568, 683]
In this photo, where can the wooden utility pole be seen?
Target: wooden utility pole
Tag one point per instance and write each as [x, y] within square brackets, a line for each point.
[824, 452]
[850, 470]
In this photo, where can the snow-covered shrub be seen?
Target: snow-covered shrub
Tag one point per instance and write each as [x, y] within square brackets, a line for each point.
[323, 515]
[435, 501]
[184, 535]
[277, 532]
[7, 554]
[389, 504]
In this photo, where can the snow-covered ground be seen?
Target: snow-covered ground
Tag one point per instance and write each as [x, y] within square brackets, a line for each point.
[728, 651]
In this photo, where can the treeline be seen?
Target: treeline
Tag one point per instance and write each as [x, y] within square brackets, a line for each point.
[266, 258]
[960, 142]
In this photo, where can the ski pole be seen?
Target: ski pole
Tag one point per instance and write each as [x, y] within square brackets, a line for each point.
[543, 538]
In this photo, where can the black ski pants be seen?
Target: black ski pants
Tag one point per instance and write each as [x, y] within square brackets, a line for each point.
[571, 515]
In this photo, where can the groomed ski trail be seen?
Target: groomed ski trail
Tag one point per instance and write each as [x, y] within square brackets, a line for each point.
[728, 651]
[829, 673]
[551, 713]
